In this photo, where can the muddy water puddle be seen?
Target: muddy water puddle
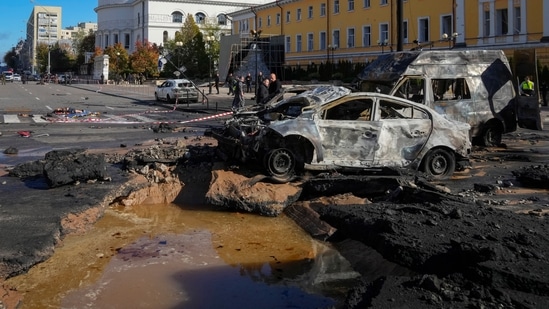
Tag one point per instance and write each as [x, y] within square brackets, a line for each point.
[168, 256]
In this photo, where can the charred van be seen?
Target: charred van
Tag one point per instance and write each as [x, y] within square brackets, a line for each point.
[472, 86]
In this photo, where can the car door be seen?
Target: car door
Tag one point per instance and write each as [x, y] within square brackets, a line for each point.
[405, 129]
[347, 134]
[164, 87]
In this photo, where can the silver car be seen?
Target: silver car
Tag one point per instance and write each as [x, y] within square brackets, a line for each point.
[176, 90]
[332, 129]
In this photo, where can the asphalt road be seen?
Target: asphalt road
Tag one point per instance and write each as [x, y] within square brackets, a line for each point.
[120, 115]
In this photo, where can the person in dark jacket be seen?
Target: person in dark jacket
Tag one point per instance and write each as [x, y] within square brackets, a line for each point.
[275, 86]
[262, 95]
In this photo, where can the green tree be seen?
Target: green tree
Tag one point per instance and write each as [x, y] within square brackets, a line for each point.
[85, 45]
[119, 59]
[11, 58]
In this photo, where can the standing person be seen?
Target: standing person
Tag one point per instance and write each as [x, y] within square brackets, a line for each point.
[275, 86]
[543, 88]
[238, 101]
[262, 94]
[248, 83]
[3, 79]
[230, 81]
[527, 86]
[260, 78]
[216, 82]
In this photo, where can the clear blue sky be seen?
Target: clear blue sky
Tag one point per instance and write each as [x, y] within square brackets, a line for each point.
[15, 14]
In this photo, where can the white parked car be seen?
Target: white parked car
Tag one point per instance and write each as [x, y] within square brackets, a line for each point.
[16, 77]
[8, 75]
[181, 90]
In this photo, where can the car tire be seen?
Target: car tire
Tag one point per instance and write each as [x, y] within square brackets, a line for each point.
[439, 163]
[280, 165]
[156, 96]
[491, 135]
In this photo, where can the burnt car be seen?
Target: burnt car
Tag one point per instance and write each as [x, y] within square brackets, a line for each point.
[330, 128]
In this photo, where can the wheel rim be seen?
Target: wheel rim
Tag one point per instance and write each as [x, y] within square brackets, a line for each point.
[439, 165]
[281, 162]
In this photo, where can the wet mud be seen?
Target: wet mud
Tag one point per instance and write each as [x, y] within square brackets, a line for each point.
[170, 256]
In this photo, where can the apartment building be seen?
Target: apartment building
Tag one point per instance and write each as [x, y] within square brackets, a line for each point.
[360, 30]
[43, 27]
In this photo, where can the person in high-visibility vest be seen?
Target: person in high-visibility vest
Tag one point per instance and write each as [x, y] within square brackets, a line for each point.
[527, 87]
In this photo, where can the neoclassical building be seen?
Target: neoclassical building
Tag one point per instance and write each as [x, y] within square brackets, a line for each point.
[156, 21]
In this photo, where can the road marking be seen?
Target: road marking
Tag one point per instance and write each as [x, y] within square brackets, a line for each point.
[109, 107]
[48, 107]
[11, 119]
[142, 118]
[115, 118]
[37, 98]
[38, 119]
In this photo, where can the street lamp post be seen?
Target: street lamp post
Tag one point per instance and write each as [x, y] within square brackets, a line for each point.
[256, 35]
[210, 40]
[332, 49]
[450, 39]
[179, 44]
[382, 43]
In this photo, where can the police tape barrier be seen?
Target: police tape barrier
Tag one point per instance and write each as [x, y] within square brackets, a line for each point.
[118, 121]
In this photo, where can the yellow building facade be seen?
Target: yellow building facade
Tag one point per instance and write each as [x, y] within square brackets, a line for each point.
[359, 30]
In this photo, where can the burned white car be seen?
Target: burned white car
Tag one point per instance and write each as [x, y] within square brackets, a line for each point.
[330, 128]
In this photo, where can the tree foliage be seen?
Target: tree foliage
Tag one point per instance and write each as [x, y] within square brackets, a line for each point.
[119, 60]
[145, 59]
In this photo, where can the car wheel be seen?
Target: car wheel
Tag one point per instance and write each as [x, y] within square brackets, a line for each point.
[280, 165]
[439, 163]
[156, 96]
[168, 99]
[491, 135]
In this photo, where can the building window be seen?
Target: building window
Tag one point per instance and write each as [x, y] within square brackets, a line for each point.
[106, 40]
[269, 21]
[260, 22]
[446, 25]
[486, 23]
[288, 44]
[310, 12]
[502, 22]
[115, 37]
[298, 43]
[336, 6]
[424, 30]
[310, 42]
[366, 4]
[200, 18]
[177, 17]
[298, 15]
[336, 38]
[383, 2]
[351, 37]
[278, 18]
[384, 33]
[366, 36]
[517, 19]
[221, 19]
[323, 9]
[287, 16]
[351, 5]
[322, 41]
[165, 37]
[127, 41]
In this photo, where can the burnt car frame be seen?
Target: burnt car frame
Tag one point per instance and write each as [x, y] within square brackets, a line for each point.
[330, 128]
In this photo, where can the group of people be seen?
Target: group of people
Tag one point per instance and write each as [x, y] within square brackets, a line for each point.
[267, 88]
